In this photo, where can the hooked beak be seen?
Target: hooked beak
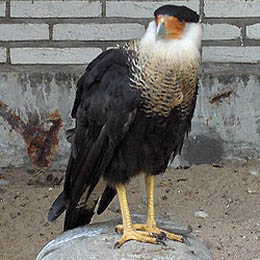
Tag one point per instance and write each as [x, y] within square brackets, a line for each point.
[161, 32]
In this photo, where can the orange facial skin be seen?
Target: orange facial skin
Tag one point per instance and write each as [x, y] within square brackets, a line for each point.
[172, 25]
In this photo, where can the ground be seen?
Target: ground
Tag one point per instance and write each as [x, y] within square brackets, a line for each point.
[229, 193]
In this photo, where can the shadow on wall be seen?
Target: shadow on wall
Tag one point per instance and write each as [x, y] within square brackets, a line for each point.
[202, 149]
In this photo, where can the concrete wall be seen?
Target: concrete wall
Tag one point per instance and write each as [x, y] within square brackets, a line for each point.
[45, 45]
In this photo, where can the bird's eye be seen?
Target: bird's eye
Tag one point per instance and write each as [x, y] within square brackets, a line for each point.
[181, 22]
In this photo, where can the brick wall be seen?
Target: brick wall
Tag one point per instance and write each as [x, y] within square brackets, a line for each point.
[74, 32]
[231, 29]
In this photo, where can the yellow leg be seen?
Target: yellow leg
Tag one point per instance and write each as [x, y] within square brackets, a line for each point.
[149, 184]
[150, 227]
[129, 233]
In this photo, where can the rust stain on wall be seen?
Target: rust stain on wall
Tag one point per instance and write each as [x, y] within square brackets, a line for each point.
[41, 141]
[219, 97]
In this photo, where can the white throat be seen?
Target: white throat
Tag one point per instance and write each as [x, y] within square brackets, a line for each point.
[188, 44]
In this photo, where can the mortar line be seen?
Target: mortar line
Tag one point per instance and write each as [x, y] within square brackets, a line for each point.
[201, 10]
[8, 9]
[104, 8]
[8, 56]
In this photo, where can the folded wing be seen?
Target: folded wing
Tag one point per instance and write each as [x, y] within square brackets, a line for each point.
[104, 108]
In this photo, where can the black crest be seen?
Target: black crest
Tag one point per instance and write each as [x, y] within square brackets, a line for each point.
[180, 12]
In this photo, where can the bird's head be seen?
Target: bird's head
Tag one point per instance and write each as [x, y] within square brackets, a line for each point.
[175, 31]
[171, 21]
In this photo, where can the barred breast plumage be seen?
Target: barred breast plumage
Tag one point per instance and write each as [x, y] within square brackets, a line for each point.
[164, 80]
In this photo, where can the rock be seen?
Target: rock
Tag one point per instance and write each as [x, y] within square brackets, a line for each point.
[201, 214]
[96, 241]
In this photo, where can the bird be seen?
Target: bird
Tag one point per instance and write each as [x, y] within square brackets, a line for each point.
[133, 108]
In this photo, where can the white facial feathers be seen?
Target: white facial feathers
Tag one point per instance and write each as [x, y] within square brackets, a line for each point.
[190, 41]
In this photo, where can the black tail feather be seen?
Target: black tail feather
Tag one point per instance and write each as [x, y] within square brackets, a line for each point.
[57, 208]
[107, 196]
[82, 213]
[76, 217]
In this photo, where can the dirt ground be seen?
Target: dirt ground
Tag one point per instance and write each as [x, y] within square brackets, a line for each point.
[228, 193]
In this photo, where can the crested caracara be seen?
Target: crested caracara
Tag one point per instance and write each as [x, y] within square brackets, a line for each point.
[133, 108]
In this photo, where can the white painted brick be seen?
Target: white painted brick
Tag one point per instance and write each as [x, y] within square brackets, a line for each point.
[57, 8]
[234, 8]
[53, 55]
[231, 54]
[220, 32]
[253, 31]
[138, 9]
[2, 8]
[101, 32]
[21, 32]
[2, 55]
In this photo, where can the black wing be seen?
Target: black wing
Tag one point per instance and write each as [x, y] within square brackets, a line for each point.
[104, 108]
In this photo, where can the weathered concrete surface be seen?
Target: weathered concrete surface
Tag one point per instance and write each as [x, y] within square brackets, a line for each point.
[227, 118]
[36, 103]
[28, 101]
[96, 241]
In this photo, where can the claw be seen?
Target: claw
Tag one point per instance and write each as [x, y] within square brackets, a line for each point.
[117, 245]
[160, 242]
[186, 241]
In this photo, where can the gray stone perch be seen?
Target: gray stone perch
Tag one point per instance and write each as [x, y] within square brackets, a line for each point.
[96, 241]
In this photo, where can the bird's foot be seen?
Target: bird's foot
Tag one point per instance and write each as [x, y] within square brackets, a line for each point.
[140, 236]
[154, 231]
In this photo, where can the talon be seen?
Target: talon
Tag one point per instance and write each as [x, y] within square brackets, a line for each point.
[186, 241]
[117, 245]
[160, 242]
